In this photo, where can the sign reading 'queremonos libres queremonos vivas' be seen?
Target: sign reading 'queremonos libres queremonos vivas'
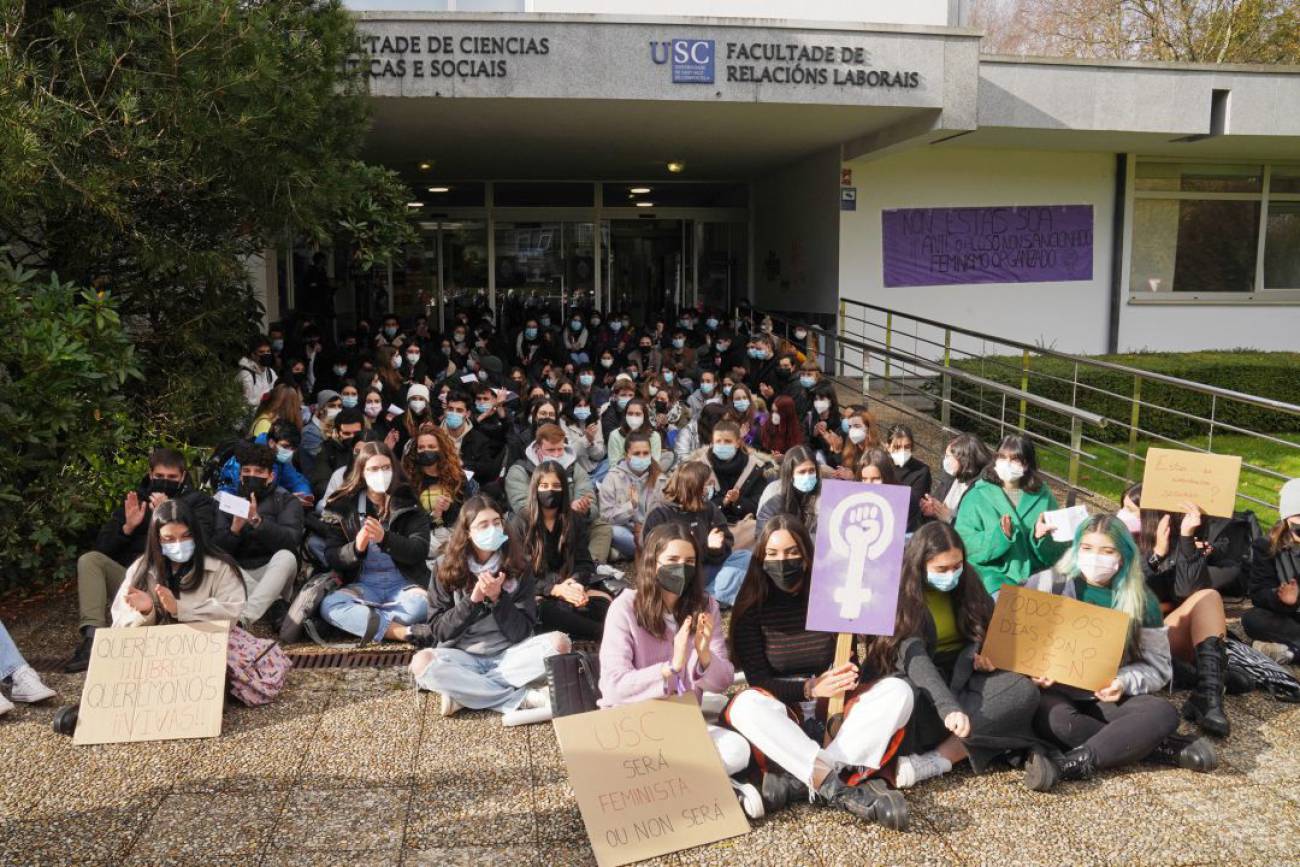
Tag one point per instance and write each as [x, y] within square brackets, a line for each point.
[1004, 244]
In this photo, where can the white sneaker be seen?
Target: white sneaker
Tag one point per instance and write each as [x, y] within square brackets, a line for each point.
[448, 705]
[536, 698]
[5, 705]
[28, 686]
[751, 802]
[1275, 650]
[609, 571]
[915, 768]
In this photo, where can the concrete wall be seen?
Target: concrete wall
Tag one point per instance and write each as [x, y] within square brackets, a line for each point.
[797, 236]
[1069, 316]
[1182, 327]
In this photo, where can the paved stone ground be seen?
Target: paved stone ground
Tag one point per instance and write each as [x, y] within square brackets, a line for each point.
[355, 767]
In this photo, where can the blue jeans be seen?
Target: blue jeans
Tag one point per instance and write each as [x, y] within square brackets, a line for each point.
[498, 682]
[724, 581]
[349, 608]
[624, 542]
[10, 659]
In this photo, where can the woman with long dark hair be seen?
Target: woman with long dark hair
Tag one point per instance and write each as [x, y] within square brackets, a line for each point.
[965, 707]
[1274, 582]
[963, 461]
[796, 492]
[663, 637]
[556, 542]
[181, 577]
[484, 619]
[791, 674]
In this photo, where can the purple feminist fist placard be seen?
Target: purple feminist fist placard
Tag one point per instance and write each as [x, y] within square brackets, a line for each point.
[858, 558]
[954, 246]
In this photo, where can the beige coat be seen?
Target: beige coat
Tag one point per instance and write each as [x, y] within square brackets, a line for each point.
[219, 596]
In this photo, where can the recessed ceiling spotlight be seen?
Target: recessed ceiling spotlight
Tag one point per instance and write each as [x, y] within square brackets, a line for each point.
[676, 166]
[639, 191]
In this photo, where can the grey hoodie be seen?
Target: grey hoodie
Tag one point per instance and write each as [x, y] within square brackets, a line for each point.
[520, 475]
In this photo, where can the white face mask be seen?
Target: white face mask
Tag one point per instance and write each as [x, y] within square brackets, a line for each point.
[950, 465]
[776, 418]
[332, 411]
[822, 406]
[1008, 471]
[373, 409]
[1098, 569]
[418, 405]
[857, 435]
[634, 422]
[379, 480]
[900, 457]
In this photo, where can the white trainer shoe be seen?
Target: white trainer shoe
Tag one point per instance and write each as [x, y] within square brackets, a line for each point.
[751, 802]
[28, 686]
[448, 706]
[915, 768]
[5, 705]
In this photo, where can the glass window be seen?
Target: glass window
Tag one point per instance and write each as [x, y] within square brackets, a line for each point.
[1282, 246]
[669, 194]
[1191, 245]
[449, 194]
[1286, 179]
[1197, 178]
[464, 263]
[544, 194]
[539, 264]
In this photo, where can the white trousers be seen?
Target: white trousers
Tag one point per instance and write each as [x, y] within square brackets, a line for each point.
[732, 748]
[860, 743]
[267, 583]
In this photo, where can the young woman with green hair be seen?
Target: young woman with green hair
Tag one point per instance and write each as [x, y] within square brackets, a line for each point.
[1125, 721]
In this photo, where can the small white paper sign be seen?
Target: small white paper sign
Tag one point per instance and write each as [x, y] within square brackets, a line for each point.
[1066, 521]
[394, 409]
[469, 474]
[232, 505]
[469, 378]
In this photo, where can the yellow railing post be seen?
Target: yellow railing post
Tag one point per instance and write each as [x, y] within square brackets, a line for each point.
[1024, 386]
[889, 342]
[1135, 412]
[945, 407]
[842, 332]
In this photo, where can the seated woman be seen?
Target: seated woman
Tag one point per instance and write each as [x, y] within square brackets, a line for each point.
[419, 412]
[861, 435]
[1001, 518]
[663, 637]
[583, 431]
[965, 708]
[745, 412]
[438, 479]
[25, 684]
[782, 429]
[686, 501]
[1127, 720]
[283, 403]
[738, 471]
[484, 620]
[556, 544]
[1179, 577]
[1274, 583]
[791, 673]
[795, 493]
[378, 539]
[963, 461]
[631, 489]
[698, 433]
[876, 467]
[822, 426]
[636, 417]
[912, 471]
[181, 577]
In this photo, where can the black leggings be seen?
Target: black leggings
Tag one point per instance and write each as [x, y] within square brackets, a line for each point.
[581, 624]
[1264, 625]
[1120, 733]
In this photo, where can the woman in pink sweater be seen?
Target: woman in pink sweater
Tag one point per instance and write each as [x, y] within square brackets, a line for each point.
[663, 638]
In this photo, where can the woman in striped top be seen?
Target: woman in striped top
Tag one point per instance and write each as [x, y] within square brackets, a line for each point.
[792, 675]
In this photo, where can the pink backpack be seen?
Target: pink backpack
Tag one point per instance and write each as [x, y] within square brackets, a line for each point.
[256, 668]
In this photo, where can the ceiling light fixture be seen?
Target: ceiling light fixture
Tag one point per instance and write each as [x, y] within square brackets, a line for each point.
[639, 191]
[425, 166]
[645, 204]
[439, 189]
[676, 166]
[415, 204]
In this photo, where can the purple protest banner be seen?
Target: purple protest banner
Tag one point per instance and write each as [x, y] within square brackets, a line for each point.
[1015, 244]
[858, 557]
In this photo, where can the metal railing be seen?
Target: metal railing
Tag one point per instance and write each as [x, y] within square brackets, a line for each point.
[913, 357]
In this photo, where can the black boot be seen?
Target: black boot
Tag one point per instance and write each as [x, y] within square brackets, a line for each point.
[1205, 707]
[780, 788]
[80, 659]
[276, 613]
[1183, 751]
[873, 801]
[1237, 681]
[1079, 763]
[1041, 772]
[1184, 674]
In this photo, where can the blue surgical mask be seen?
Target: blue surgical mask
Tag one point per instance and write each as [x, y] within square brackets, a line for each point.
[706, 388]
[724, 451]
[530, 333]
[679, 342]
[944, 582]
[710, 491]
[390, 331]
[622, 402]
[804, 483]
[844, 425]
[178, 552]
[283, 455]
[615, 325]
[582, 413]
[586, 380]
[807, 381]
[639, 464]
[277, 345]
[724, 345]
[349, 401]
[740, 404]
[669, 376]
[545, 321]
[454, 420]
[481, 408]
[489, 539]
[340, 369]
[576, 325]
[726, 391]
[711, 323]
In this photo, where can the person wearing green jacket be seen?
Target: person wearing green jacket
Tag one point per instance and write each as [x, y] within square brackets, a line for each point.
[1001, 518]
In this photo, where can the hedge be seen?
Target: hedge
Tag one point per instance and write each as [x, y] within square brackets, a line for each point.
[1267, 374]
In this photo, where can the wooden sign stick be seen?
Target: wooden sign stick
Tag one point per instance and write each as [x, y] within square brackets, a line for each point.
[835, 705]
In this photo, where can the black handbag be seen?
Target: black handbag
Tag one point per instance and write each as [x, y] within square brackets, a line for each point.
[573, 681]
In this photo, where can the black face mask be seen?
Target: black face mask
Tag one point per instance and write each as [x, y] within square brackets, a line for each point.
[549, 499]
[266, 359]
[252, 486]
[428, 458]
[350, 443]
[167, 487]
[785, 374]
[784, 573]
[675, 577]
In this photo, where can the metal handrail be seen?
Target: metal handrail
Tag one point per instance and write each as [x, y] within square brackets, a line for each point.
[1153, 376]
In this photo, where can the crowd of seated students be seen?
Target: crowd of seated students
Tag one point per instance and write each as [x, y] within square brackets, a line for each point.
[494, 497]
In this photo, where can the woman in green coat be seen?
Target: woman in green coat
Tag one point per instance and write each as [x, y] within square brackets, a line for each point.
[1001, 518]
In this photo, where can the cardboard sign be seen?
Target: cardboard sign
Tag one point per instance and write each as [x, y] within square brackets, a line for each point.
[1174, 477]
[858, 557]
[1045, 635]
[648, 779]
[1066, 521]
[232, 505]
[154, 683]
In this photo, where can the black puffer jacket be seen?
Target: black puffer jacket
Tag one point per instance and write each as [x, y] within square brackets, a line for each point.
[406, 538]
[280, 529]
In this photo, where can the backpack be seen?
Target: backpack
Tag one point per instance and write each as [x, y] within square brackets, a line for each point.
[1264, 673]
[210, 476]
[572, 679]
[256, 668]
[306, 603]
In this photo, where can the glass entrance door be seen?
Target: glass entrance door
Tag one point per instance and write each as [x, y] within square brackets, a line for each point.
[646, 267]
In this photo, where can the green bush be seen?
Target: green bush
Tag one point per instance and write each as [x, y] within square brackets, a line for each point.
[1267, 374]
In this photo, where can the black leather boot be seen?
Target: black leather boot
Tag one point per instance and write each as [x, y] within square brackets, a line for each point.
[1205, 707]
[780, 788]
[1041, 772]
[873, 801]
[1184, 751]
[80, 659]
[1079, 763]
